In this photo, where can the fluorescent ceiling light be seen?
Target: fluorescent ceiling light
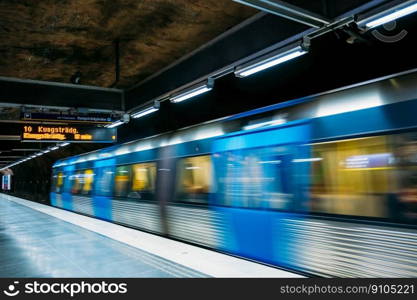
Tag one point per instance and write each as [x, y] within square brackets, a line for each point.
[143, 146]
[298, 160]
[46, 151]
[274, 162]
[275, 58]
[22, 149]
[192, 168]
[63, 144]
[208, 133]
[193, 91]
[389, 15]
[114, 124]
[190, 95]
[264, 124]
[54, 148]
[146, 111]
[122, 151]
[349, 103]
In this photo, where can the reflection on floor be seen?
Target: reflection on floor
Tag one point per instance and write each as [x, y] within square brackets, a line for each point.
[34, 244]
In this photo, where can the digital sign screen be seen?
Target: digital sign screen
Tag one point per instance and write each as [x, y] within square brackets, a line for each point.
[369, 161]
[92, 118]
[6, 182]
[77, 134]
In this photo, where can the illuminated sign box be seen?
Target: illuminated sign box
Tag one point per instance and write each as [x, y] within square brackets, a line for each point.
[77, 134]
[85, 118]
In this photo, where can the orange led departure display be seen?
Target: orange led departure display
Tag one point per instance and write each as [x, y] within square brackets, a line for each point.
[53, 133]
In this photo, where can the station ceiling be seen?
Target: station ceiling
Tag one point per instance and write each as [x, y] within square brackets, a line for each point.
[53, 40]
[44, 44]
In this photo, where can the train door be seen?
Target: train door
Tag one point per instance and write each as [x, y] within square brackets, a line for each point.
[165, 184]
[257, 185]
[103, 188]
[57, 185]
[65, 199]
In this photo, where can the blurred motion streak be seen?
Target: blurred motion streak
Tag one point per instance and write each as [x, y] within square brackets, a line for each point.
[329, 191]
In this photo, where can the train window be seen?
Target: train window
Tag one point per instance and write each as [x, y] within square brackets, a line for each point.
[143, 181]
[87, 181]
[57, 182]
[54, 181]
[194, 179]
[122, 179]
[76, 182]
[60, 180]
[255, 178]
[67, 183]
[353, 177]
[404, 199]
[104, 182]
[82, 182]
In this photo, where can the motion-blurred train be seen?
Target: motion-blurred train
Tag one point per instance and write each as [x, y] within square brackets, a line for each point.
[325, 185]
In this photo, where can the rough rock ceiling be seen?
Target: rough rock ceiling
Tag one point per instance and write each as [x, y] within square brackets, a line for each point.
[53, 39]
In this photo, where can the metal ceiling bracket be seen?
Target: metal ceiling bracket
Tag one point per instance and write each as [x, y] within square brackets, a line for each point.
[288, 11]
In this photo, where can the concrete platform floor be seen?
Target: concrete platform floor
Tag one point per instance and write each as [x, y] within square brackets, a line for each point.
[38, 240]
[34, 244]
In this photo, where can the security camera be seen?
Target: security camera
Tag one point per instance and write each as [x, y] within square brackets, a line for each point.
[126, 118]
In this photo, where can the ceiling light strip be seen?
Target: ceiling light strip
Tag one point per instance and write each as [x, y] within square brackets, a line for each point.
[388, 15]
[141, 113]
[193, 91]
[270, 60]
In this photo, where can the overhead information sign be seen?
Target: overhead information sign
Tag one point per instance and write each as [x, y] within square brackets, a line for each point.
[80, 134]
[82, 118]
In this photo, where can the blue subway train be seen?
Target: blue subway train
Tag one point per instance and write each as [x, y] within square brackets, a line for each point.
[324, 185]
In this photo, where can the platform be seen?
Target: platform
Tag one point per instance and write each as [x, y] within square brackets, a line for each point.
[37, 240]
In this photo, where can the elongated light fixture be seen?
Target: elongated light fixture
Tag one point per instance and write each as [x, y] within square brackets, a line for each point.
[193, 91]
[389, 15]
[146, 111]
[270, 60]
[264, 124]
[115, 124]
